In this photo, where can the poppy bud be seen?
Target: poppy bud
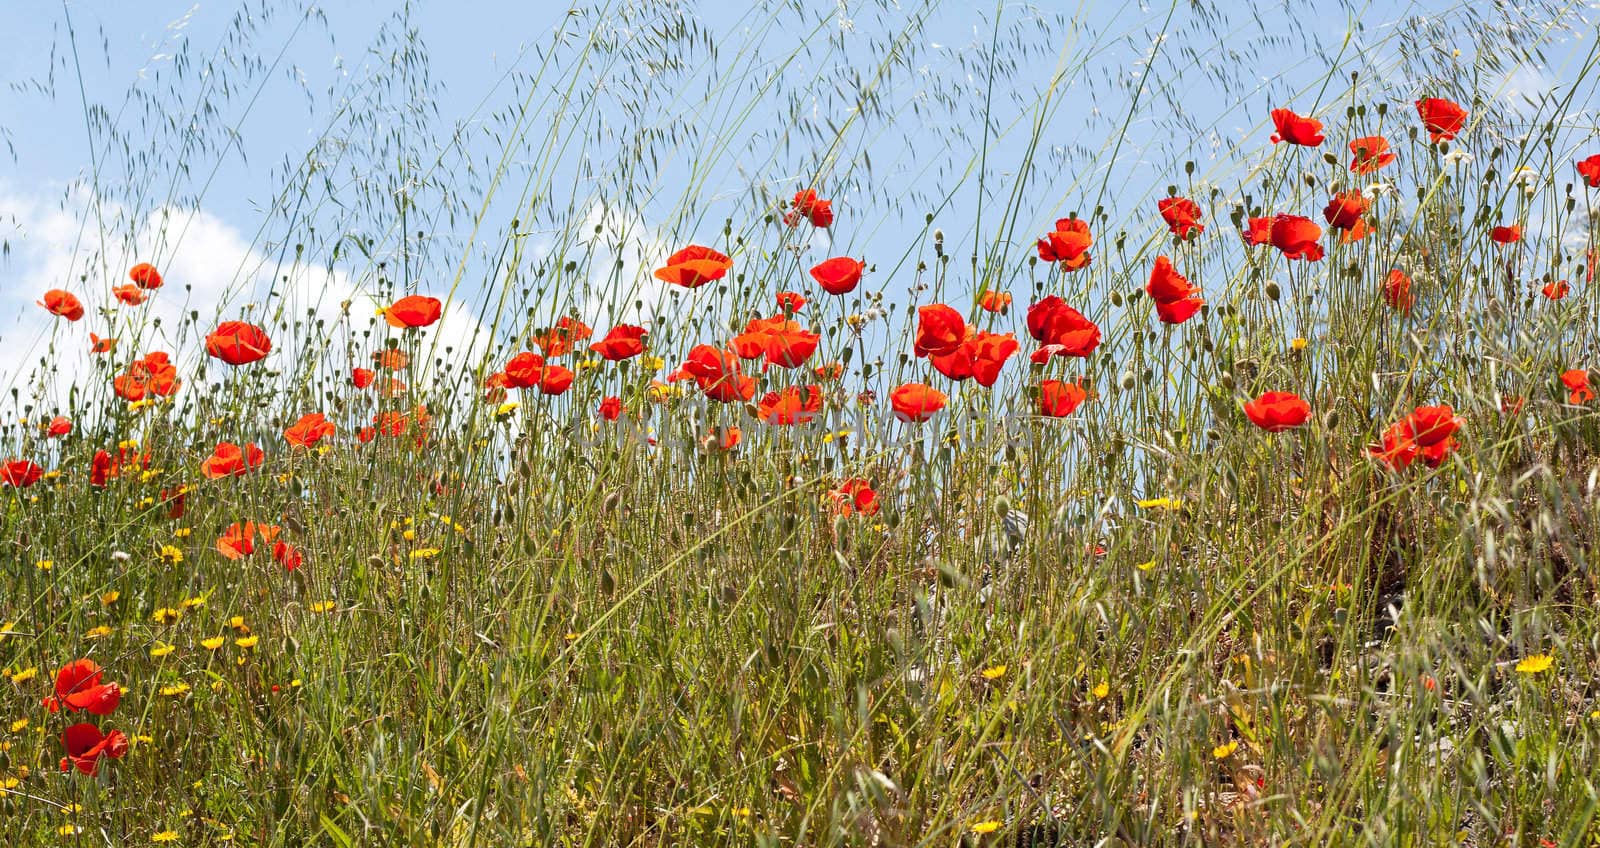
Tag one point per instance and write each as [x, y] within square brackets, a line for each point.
[1383, 108]
[609, 505]
[1226, 381]
[1127, 382]
[608, 584]
[1116, 298]
[1002, 507]
[892, 520]
[1273, 292]
[1331, 420]
[1213, 435]
[1330, 158]
[938, 235]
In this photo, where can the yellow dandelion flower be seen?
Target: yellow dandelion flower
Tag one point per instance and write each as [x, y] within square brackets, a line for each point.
[44, 564]
[196, 601]
[161, 649]
[652, 363]
[247, 641]
[425, 553]
[182, 532]
[19, 725]
[1222, 752]
[237, 623]
[1298, 343]
[8, 783]
[171, 554]
[164, 836]
[994, 672]
[409, 535]
[1101, 691]
[165, 615]
[1160, 503]
[110, 598]
[99, 632]
[1146, 566]
[71, 808]
[321, 607]
[7, 628]
[1536, 664]
[25, 675]
[212, 643]
[67, 829]
[989, 826]
[173, 690]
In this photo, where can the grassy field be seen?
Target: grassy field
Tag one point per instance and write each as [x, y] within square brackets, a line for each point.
[519, 581]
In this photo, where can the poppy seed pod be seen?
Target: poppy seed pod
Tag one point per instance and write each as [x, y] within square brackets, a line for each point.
[1273, 292]
[1116, 298]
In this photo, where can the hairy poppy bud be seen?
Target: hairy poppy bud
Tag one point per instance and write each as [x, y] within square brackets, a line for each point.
[1273, 292]
[1002, 507]
[1116, 298]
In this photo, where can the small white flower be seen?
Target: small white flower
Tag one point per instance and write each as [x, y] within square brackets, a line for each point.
[1457, 156]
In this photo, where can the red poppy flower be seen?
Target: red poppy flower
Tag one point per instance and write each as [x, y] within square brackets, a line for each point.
[1294, 129]
[783, 342]
[940, 330]
[1278, 411]
[839, 275]
[1589, 169]
[611, 408]
[58, 426]
[391, 359]
[829, 370]
[791, 405]
[78, 687]
[238, 343]
[1068, 244]
[145, 276]
[1182, 216]
[1506, 235]
[1433, 430]
[1556, 290]
[1059, 399]
[855, 496]
[1344, 211]
[623, 342]
[362, 377]
[1061, 329]
[808, 206]
[309, 430]
[1441, 118]
[524, 370]
[62, 303]
[129, 295]
[99, 345]
[228, 459]
[1371, 153]
[1577, 383]
[1257, 231]
[1396, 448]
[1397, 290]
[718, 375]
[176, 501]
[694, 266]
[560, 339]
[721, 438]
[1512, 405]
[154, 374]
[1297, 237]
[915, 402]
[555, 380]
[980, 356]
[994, 301]
[1176, 299]
[85, 745]
[413, 310]
[791, 302]
[20, 473]
[288, 556]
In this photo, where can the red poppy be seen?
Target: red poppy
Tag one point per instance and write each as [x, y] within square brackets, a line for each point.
[362, 377]
[1506, 235]
[391, 359]
[560, 339]
[915, 402]
[59, 426]
[1061, 329]
[1344, 211]
[62, 303]
[78, 687]
[1294, 129]
[839, 275]
[791, 405]
[994, 301]
[555, 380]
[721, 438]
[1577, 383]
[855, 496]
[1058, 399]
[228, 459]
[391, 423]
[783, 342]
[105, 466]
[623, 342]
[238, 343]
[718, 375]
[413, 310]
[1297, 236]
[1441, 118]
[1428, 432]
[810, 207]
[1397, 290]
[145, 276]
[154, 374]
[1258, 231]
[1512, 405]
[1556, 290]
[85, 745]
[310, 429]
[1176, 299]
[1371, 153]
[1278, 411]
[1068, 244]
[694, 266]
[99, 345]
[288, 556]
[1182, 216]
[940, 330]
[175, 500]
[524, 370]
[1589, 169]
[129, 295]
[1396, 449]
[20, 473]
[611, 408]
[791, 302]
[980, 356]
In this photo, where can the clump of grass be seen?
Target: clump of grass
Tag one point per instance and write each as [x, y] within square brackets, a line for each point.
[518, 623]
